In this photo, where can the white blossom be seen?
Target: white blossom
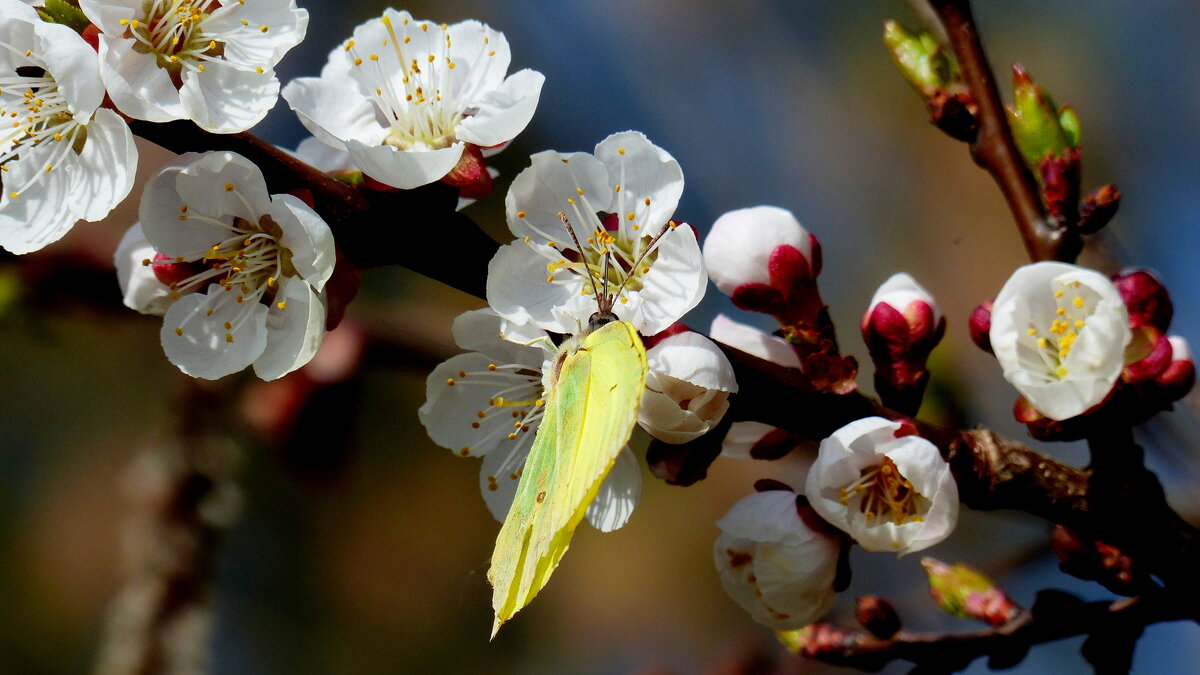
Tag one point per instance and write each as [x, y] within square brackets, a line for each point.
[62, 157]
[888, 492]
[773, 564]
[1059, 333]
[204, 60]
[489, 402]
[687, 388]
[243, 268]
[618, 201]
[405, 97]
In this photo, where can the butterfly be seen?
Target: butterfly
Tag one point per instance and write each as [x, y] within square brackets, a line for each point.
[594, 390]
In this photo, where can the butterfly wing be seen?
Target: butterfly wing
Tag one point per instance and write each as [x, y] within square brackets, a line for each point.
[589, 415]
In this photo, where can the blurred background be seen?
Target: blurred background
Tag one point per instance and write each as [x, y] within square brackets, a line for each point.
[361, 548]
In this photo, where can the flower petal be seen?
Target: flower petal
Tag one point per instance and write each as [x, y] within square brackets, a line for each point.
[294, 332]
[753, 341]
[618, 495]
[307, 236]
[140, 288]
[404, 169]
[650, 179]
[503, 112]
[199, 343]
[225, 100]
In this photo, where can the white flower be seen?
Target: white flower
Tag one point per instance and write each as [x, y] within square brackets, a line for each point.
[773, 564]
[888, 492]
[204, 60]
[141, 288]
[243, 267]
[488, 402]
[405, 97]
[1059, 332]
[687, 388]
[62, 159]
[761, 256]
[743, 437]
[617, 201]
[903, 294]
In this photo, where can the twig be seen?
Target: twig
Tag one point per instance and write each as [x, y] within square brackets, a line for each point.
[994, 148]
[1054, 616]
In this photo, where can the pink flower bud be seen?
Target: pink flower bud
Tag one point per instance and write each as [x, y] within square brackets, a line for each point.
[980, 324]
[763, 259]
[901, 327]
[1146, 299]
[964, 592]
[1176, 381]
[877, 616]
[1147, 356]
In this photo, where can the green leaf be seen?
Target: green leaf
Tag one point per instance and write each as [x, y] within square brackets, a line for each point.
[65, 12]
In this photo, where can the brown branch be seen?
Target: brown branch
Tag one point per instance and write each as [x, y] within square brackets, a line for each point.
[1055, 616]
[184, 498]
[372, 227]
[994, 148]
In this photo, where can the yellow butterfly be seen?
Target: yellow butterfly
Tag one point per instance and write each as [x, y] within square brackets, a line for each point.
[595, 388]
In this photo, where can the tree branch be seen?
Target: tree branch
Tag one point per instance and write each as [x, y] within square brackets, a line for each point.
[994, 148]
[1054, 616]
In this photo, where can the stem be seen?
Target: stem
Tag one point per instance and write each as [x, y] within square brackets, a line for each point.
[994, 148]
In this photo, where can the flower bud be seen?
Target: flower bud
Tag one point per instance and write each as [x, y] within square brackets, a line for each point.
[921, 59]
[1147, 356]
[961, 591]
[1098, 207]
[901, 327]
[1035, 121]
[773, 564]
[980, 324]
[877, 616]
[687, 388]
[763, 259]
[817, 640]
[1176, 381]
[1146, 299]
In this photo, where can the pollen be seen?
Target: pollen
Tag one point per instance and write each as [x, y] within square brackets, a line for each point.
[229, 337]
[449, 381]
[229, 187]
[179, 332]
[520, 214]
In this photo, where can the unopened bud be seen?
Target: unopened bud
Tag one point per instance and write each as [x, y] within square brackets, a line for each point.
[1098, 208]
[980, 325]
[1060, 176]
[171, 273]
[470, 175]
[901, 327]
[961, 591]
[818, 639]
[926, 65]
[1035, 121]
[764, 260]
[1145, 298]
[877, 616]
[1146, 356]
[1176, 381]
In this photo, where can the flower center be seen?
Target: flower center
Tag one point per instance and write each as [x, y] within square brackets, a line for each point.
[882, 492]
[1074, 304]
[33, 113]
[410, 87]
[174, 31]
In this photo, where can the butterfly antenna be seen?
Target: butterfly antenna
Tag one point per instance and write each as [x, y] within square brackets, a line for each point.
[649, 247]
[571, 231]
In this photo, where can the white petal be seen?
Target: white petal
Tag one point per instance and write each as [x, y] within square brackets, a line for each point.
[618, 495]
[204, 350]
[517, 289]
[204, 185]
[742, 438]
[74, 66]
[480, 331]
[288, 26]
[103, 173]
[500, 473]
[18, 11]
[140, 288]
[333, 110]
[451, 411]
[307, 236]
[107, 14]
[294, 333]
[901, 290]
[503, 112]
[693, 358]
[225, 100]
[643, 170]
[405, 169]
[322, 156]
[674, 285]
[136, 84]
[540, 192]
[481, 56]
[753, 341]
[36, 217]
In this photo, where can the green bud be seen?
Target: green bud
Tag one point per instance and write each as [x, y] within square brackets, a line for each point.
[961, 591]
[65, 12]
[1069, 121]
[922, 60]
[1034, 120]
